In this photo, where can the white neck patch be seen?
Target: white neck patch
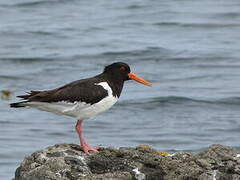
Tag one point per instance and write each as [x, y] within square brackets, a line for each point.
[107, 87]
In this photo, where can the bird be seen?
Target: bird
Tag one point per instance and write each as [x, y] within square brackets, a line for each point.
[83, 99]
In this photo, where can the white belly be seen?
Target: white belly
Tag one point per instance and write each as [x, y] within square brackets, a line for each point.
[79, 110]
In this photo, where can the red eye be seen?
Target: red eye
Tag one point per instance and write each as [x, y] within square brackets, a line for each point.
[122, 68]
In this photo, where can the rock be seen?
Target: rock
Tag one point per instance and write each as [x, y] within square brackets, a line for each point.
[68, 162]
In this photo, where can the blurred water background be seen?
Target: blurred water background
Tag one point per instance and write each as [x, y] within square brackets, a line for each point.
[188, 49]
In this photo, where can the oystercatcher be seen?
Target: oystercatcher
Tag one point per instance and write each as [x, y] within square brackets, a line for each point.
[83, 99]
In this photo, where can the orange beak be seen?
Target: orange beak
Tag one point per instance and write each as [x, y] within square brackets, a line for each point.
[138, 79]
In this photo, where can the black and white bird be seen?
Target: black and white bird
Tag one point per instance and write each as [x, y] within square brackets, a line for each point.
[83, 99]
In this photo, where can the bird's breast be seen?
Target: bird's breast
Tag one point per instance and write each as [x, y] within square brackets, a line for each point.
[87, 111]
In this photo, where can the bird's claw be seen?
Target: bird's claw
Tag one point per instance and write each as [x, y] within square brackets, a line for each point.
[86, 149]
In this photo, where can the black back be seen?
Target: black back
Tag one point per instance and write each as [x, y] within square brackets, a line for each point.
[84, 90]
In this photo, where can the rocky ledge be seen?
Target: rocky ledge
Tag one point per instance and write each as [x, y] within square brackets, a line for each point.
[68, 162]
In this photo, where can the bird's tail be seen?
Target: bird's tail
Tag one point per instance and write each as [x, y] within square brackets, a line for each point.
[18, 104]
[24, 97]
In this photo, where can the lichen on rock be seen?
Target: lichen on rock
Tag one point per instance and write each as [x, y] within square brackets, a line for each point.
[68, 162]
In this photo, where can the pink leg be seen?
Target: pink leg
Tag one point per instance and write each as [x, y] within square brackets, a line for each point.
[84, 145]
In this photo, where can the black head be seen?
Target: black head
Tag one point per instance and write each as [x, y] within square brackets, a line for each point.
[121, 72]
[118, 70]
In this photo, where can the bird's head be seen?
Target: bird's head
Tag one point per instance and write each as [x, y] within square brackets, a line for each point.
[123, 71]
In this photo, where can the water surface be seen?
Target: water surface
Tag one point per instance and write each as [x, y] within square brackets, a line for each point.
[188, 49]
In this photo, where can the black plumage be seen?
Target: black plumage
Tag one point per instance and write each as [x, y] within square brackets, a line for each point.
[85, 90]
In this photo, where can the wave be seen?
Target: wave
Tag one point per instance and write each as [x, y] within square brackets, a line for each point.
[38, 3]
[227, 14]
[230, 100]
[135, 6]
[150, 53]
[7, 77]
[197, 25]
[153, 53]
[157, 54]
[25, 59]
[181, 100]
[138, 52]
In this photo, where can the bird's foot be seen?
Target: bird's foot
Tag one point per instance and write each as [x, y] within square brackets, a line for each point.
[86, 148]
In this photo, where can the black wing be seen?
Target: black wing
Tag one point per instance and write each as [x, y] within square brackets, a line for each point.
[85, 90]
